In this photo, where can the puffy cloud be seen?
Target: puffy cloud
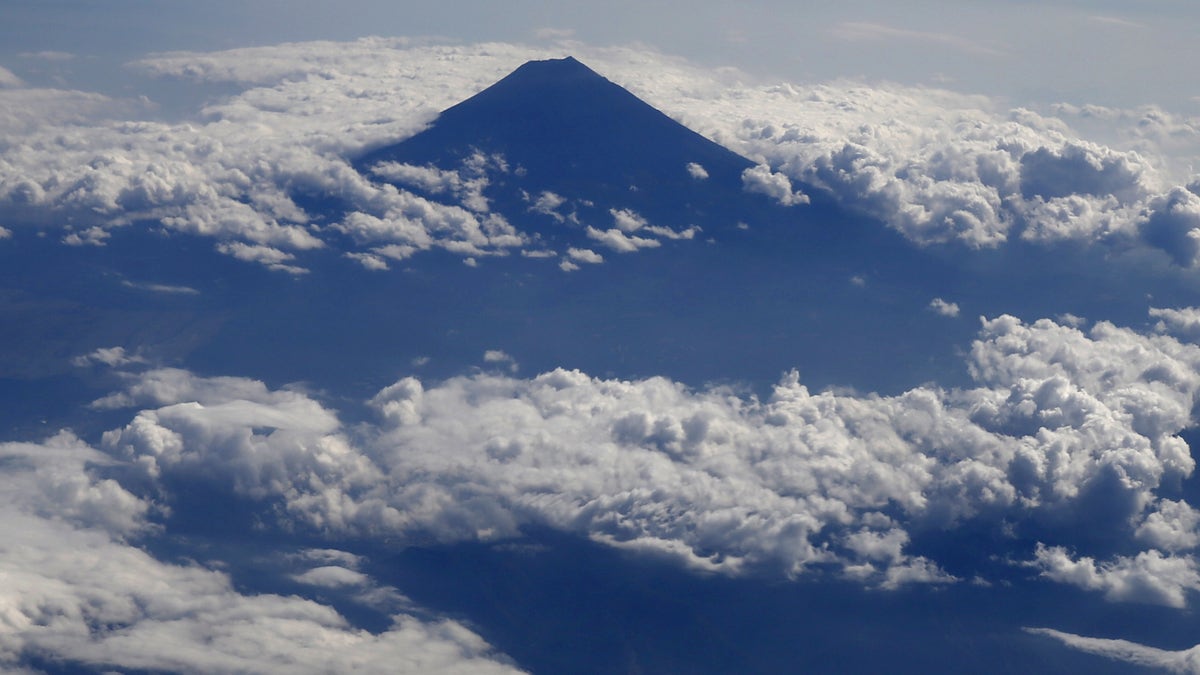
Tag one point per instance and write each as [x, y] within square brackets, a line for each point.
[1171, 526]
[1149, 577]
[77, 593]
[944, 308]
[235, 430]
[234, 173]
[585, 255]
[58, 481]
[1064, 429]
[775, 185]
[627, 220]
[697, 171]
[1186, 662]
[940, 166]
[1184, 322]
[937, 166]
[1077, 170]
[500, 357]
[92, 236]
[370, 261]
[466, 185]
[1174, 225]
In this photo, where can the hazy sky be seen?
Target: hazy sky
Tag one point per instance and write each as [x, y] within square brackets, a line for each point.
[1109, 53]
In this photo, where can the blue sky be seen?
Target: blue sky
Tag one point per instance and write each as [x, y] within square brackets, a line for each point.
[288, 384]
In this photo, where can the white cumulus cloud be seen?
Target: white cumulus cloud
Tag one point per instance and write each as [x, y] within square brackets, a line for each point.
[77, 592]
[1059, 419]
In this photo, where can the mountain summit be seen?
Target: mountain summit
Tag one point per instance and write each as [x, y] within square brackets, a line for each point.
[571, 131]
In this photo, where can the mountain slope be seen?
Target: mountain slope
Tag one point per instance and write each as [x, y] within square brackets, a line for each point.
[561, 127]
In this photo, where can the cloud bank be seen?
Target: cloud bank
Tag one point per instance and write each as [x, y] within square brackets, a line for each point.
[937, 166]
[1060, 420]
[79, 590]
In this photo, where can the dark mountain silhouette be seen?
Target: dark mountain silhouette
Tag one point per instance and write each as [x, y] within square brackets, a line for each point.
[564, 128]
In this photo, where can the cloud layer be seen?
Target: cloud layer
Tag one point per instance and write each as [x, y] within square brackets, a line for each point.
[937, 166]
[1061, 420]
[79, 590]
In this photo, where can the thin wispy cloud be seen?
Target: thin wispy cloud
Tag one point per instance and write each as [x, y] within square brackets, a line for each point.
[856, 31]
[1117, 22]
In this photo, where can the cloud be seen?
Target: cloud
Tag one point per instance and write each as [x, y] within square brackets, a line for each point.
[696, 171]
[501, 358]
[272, 258]
[1060, 423]
[1174, 225]
[168, 289]
[548, 203]
[332, 576]
[1184, 322]
[92, 236]
[1149, 577]
[8, 79]
[369, 261]
[1186, 662]
[763, 180]
[627, 220]
[943, 167]
[1058, 416]
[79, 593]
[618, 241]
[585, 255]
[940, 306]
[109, 356]
[1171, 526]
[466, 185]
[233, 174]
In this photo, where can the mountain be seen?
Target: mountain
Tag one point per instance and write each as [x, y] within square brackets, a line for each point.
[562, 127]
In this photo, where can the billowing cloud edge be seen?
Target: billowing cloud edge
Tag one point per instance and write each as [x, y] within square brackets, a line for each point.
[79, 590]
[799, 483]
[937, 166]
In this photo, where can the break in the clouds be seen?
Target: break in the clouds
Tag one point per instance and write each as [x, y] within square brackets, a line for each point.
[1060, 420]
[937, 166]
[79, 591]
